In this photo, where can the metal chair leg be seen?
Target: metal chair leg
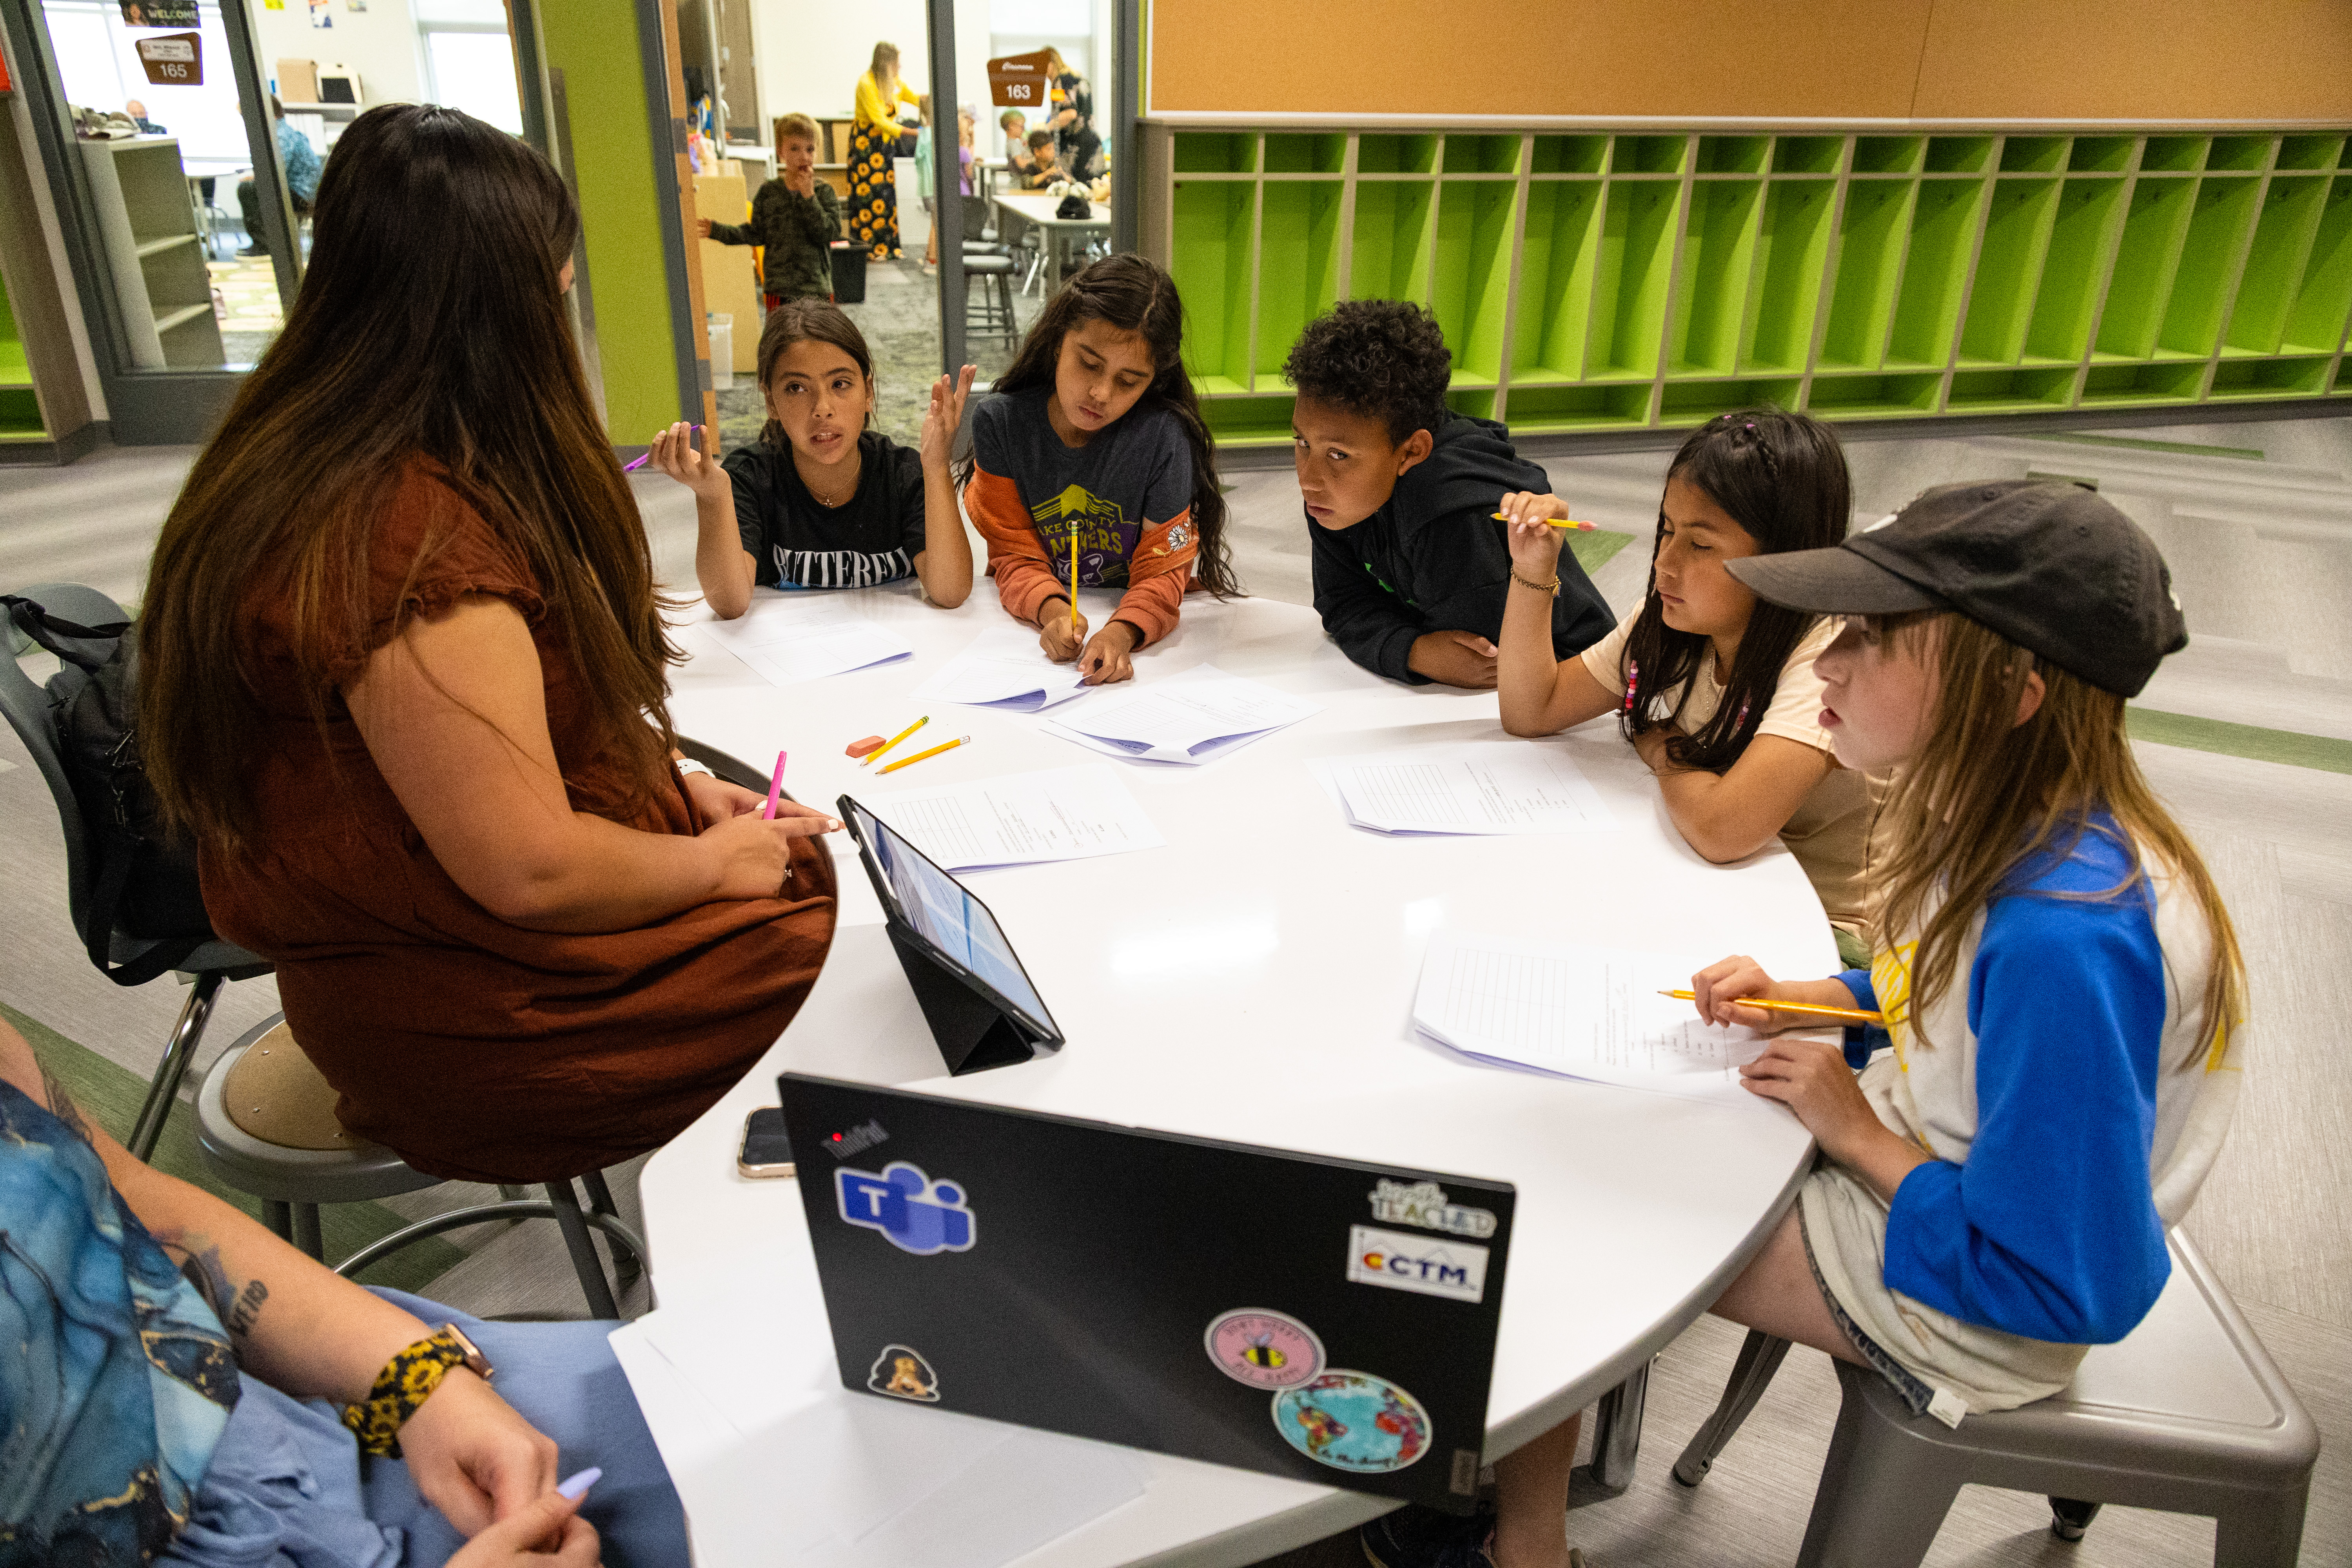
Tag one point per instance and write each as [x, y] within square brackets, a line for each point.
[513, 1192]
[306, 1231]
[2070, 1517]
[279, 1217]
[628, 1267]
[1616, 1440]
[584, 1261]
[164, 1090]
[1759, 1357]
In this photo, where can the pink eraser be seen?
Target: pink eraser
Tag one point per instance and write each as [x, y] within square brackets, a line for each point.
[862, 748]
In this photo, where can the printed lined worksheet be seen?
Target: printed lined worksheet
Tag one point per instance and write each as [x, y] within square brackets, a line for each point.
[791, 638]
[1476, 786]
[1021, 819]
[1191, 718]
[1003, 668]
[1582, 1012]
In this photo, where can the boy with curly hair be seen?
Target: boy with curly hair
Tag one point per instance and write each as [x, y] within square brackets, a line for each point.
[1411, 569]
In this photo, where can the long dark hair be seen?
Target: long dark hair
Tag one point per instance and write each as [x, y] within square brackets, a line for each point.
[1135, 294]
[431, 323]
[1782, 478]
[809, 321]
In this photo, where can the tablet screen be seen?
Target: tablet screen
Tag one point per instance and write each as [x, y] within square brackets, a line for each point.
[950, 918]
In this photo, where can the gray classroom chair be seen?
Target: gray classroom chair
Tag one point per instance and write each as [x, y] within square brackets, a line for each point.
[205, 970]
[988, 270]
[2186, 1415]
[321, 1163]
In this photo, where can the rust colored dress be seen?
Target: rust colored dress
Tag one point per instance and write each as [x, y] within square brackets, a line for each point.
[477, 1049]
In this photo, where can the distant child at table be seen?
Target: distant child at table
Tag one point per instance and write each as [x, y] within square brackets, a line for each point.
[1411, 566]
[1095, 435]
[2062, 988]
[1716, 690]
[1015, 126]
[795, 218]
[1042, 170]
[822, 501]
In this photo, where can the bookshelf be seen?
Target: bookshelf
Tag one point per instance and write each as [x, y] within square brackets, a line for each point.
[1611, 281]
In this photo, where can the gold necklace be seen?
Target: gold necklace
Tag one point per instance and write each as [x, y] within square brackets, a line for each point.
[856, 473]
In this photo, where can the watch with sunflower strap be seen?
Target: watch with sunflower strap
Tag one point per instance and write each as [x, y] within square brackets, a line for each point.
[406, 1382]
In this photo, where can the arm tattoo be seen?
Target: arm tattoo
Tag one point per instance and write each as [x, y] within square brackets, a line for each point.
[236, 1309]
[62, 1107]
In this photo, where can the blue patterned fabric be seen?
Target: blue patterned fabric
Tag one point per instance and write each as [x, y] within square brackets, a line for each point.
[116, 1379]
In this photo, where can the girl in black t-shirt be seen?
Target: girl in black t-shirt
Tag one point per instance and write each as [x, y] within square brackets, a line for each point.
[820, 501]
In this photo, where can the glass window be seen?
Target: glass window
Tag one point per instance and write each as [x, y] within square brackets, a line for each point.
[474, 71]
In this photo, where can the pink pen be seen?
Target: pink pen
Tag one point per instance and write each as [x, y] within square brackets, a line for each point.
[775, 786]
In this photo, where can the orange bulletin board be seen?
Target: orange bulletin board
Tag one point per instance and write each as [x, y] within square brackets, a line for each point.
[2273, 62]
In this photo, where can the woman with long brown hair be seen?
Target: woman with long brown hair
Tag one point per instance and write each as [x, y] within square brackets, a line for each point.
[404, 680]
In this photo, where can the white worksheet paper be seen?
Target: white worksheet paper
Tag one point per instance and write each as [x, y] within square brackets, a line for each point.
[1021, 819]
[818, 1474]
[1191, 718]
[1472, 786]
[789, 639]
[1003, 668]
[1581, 1012]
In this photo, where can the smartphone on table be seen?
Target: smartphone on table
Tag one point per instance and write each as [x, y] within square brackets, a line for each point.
[766, 1150]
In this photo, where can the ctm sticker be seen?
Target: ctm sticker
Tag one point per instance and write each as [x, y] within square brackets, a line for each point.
[1425, 1265]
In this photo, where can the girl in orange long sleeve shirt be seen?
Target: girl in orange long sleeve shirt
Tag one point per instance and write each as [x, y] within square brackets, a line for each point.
[1093, 457]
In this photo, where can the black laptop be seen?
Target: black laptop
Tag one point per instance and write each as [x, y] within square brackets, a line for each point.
[1307, 1317]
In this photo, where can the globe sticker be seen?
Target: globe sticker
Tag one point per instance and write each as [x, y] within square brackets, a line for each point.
[1353, 1421]
[1262, 1348]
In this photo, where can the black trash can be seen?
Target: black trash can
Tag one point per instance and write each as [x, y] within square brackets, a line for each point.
[848, 273]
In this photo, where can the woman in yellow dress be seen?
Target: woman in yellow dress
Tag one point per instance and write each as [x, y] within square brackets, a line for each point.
[874, 142]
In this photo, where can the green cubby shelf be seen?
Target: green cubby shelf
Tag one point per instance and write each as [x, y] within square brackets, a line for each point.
[1556, 263]
[1214, 258]
[1470, 281]
[1248, 421]
[2017, 230]
[1944, 223]
[2274, 266]
[1391, 239]
[1628, 290]
[1300, 219]
[2010, 391]
[1591, 280]
[2209, 257]
[1719, 248]
[20, 416]
[1784, 287]
[1871, 396]
[2315, 323]
[1697, 402]
[1295, 155]
[2301, 377]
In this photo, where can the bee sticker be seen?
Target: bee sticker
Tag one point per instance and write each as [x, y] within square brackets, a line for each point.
[1262, 1348]
[901, 1372]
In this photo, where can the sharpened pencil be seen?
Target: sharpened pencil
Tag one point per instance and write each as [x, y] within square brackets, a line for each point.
[894, 740]
[919, 756]
[1556, 523]
[1850, 1015]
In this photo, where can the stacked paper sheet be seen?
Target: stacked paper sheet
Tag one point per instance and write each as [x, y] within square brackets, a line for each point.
[1191, 718]
[1590, 1012]
[1478, 786]
[1020, 819]
[789, 638]
[1003, 668]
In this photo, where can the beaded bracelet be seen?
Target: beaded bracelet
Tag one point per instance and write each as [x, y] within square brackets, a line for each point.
[406, 1382]
[1551, 587]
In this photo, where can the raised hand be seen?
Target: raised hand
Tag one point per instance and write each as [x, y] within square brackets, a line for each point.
[1534, 543]
[674, 455]
[944, 418]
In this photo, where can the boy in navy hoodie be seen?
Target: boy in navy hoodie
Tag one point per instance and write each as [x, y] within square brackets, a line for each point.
[1411, 566]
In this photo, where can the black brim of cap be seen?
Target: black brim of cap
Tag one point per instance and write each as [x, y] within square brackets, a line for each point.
[1834, 582]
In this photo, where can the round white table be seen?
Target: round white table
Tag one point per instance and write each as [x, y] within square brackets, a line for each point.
[1253, 981]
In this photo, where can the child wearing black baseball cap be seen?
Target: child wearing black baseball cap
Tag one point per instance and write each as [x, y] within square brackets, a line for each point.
[2062, 986]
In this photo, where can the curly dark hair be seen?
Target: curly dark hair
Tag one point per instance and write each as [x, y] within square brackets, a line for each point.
[1383, 358]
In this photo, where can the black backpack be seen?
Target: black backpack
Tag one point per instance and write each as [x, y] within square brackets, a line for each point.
[146, 873]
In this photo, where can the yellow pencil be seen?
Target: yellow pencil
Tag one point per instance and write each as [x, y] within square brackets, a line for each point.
[935, 750]
[1850, 1015]
[1073, 576]
[894, 740]
[1556, 523]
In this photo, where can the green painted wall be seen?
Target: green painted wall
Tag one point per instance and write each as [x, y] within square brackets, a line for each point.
[595, 44]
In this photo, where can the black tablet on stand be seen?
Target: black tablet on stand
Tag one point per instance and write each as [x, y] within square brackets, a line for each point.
[978, 1000]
